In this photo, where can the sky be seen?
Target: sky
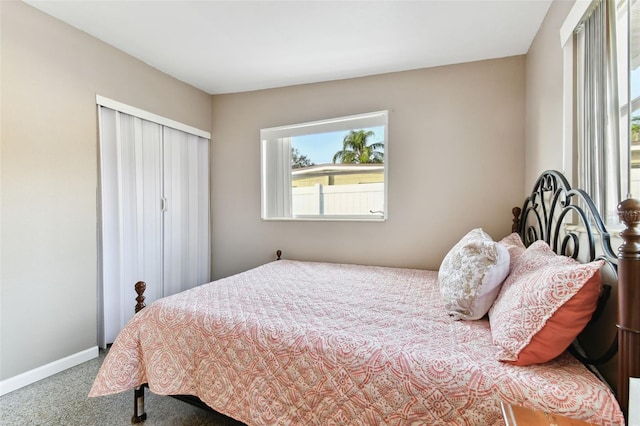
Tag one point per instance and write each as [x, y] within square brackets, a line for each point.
[321, 147]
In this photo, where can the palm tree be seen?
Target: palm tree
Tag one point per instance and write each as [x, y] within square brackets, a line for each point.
[356, 151]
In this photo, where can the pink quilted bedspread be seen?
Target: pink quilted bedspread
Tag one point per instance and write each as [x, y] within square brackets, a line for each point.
[301, 343]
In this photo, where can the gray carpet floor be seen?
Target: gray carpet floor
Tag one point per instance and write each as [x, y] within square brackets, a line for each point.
[62, 400]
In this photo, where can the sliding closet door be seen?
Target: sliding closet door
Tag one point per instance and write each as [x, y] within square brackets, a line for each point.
[186, 190]
[131, 217]
[154, 183]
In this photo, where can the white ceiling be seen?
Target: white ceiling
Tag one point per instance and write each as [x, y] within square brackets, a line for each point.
[236, 46]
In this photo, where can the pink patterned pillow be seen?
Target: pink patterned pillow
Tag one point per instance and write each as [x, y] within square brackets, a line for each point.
[516, 247]
[537, 295]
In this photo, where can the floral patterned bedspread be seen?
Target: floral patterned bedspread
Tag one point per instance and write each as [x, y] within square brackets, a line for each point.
[303, 343]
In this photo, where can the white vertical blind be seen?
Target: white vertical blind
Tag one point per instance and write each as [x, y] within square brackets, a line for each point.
[276, 179]
[154, 184]
[599, 171]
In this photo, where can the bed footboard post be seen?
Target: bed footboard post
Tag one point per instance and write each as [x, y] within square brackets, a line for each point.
[629, 299]
[140, 287]
[139, 415]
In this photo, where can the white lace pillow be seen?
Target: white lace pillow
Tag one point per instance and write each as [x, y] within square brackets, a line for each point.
[471, 275]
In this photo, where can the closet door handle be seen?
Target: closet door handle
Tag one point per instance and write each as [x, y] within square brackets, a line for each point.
[163, 204]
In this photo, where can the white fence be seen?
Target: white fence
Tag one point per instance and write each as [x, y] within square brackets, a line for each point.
[356, 199]
[635, 182]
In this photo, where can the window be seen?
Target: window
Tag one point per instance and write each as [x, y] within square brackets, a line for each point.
[607, 108]
[628, 62]
[332, 169]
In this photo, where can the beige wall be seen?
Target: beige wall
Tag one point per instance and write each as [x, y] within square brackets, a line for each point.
[50, 74]
[544, 126]
[455, 155]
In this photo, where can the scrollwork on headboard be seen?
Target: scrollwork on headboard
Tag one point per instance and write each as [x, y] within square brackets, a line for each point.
[561, 216]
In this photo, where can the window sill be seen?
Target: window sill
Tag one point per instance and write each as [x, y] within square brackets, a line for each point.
[325, 219]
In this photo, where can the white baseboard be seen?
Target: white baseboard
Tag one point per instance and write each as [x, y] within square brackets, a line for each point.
[39, 373]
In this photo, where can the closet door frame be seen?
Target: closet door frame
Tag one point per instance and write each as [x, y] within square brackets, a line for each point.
[149, 116]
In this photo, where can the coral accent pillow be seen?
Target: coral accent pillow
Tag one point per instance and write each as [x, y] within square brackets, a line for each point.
[471, 274]
[546, 301]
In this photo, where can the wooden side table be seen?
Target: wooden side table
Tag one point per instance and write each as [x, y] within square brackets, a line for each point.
[515, 415]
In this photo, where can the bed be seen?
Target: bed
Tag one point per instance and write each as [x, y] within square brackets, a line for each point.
[295, 342]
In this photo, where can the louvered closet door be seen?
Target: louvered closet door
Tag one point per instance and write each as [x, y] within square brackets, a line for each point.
[186, 218]
[154, 215]
[131, 219]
